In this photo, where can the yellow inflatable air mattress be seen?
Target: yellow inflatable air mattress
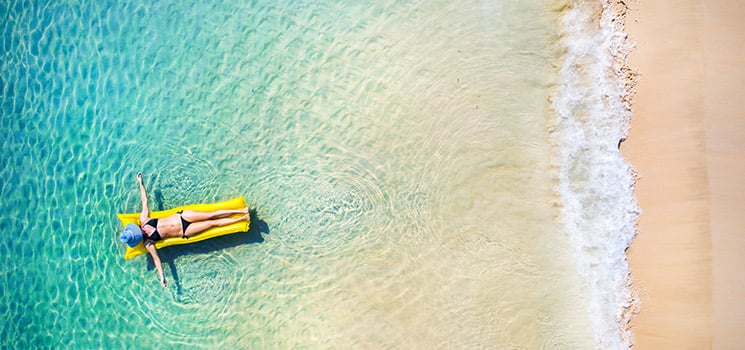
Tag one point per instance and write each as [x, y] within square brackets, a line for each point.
[235, 203]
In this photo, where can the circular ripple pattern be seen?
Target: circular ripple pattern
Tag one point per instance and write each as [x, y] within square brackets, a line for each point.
[204, 295]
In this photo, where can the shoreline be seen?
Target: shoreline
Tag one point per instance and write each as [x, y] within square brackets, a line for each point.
[686, 143]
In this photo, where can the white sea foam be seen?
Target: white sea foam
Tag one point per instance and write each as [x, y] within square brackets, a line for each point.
[595, 182]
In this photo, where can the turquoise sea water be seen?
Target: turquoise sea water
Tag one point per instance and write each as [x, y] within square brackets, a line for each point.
[400, 158]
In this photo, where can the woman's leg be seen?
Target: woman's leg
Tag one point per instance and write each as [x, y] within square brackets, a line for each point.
[198, 227]
[194, 216]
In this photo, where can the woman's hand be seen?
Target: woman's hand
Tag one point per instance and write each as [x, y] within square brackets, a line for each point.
[139, 177]
[163, 282]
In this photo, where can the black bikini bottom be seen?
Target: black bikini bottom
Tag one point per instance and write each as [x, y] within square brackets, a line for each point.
[184, 225]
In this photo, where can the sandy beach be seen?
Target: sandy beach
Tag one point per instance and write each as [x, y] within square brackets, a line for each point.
[686, 144]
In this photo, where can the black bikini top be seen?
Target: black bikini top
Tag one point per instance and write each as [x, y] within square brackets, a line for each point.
[154, 224]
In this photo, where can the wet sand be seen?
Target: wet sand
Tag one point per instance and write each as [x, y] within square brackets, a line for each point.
[687, 143]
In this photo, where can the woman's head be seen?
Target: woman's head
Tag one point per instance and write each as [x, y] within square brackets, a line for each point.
[131, 236]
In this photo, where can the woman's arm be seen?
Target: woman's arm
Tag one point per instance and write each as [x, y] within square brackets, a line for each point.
[145, 214]
[156, 260]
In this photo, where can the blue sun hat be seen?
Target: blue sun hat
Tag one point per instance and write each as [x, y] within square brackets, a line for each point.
[132, 235]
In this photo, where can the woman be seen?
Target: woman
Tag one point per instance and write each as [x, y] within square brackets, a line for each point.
[184, 224]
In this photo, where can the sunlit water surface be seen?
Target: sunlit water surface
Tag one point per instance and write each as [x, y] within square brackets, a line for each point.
[397, 155]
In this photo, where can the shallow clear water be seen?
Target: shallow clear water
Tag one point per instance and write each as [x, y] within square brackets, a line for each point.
[398, 157]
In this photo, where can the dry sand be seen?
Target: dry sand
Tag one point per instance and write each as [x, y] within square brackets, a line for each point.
[687, 142]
